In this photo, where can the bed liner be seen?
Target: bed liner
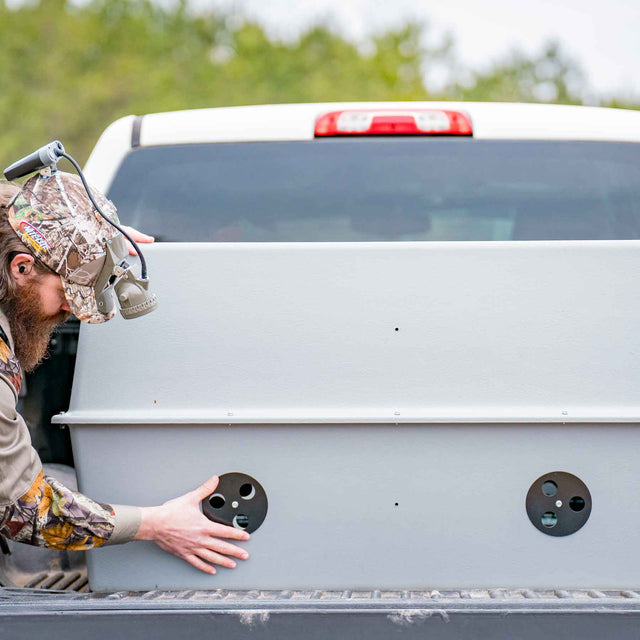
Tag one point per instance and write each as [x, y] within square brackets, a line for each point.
[494, 613]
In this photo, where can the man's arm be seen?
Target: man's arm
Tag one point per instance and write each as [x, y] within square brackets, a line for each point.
[39, 510]
[50, 515]
[179, 527]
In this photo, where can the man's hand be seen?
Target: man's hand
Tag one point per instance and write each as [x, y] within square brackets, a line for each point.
[179, 527]
[137, 236]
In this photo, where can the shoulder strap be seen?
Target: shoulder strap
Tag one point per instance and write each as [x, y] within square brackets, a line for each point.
[9, 365]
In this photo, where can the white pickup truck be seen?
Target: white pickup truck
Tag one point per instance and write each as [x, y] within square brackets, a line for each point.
[420, 320]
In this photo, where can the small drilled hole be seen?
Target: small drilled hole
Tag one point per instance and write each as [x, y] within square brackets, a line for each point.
[397, 328]
[549, 519]
[241, 521]
[549, 488]
[576, 503]
[396, 504]
[247, 491]
[217, 501]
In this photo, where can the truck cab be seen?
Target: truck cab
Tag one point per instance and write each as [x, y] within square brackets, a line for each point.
[407, 322]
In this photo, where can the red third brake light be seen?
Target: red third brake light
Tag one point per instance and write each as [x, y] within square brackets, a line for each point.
[376, 122]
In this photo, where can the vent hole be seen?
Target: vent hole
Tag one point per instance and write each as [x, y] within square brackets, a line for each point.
[576, 503]
[549, 488]
[549, 519]
[241, 521]
[217, 501]
[247, 491]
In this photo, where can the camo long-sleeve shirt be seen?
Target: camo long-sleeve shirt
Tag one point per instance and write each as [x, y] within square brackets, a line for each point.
[35, 508]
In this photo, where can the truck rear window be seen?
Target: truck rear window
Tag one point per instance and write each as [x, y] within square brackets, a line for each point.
[382, 189]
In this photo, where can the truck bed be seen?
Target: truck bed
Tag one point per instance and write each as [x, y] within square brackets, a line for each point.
[374, 614]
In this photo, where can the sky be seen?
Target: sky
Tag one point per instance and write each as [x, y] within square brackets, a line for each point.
[602, 36]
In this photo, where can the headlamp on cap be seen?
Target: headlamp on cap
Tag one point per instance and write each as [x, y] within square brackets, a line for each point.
[121, 281]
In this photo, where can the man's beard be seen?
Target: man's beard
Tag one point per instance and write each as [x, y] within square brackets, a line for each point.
[31, 328]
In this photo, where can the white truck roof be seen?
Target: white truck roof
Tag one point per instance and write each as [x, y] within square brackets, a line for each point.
[499, 121]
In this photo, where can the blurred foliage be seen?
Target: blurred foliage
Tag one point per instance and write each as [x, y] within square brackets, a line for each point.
[549, 77]
[69, 70]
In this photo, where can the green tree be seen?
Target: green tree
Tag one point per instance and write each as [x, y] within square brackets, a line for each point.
[70, 70]
[550, 76]
[67, 71]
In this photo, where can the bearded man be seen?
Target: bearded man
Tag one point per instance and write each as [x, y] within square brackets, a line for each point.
[52, 248]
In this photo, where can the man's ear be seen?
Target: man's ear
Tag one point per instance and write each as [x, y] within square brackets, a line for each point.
[22, 267]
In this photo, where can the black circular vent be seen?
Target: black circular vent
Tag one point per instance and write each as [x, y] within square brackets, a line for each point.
[238, 501]
[558, 503]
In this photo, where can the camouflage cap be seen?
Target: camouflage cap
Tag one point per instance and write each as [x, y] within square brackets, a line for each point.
[56, 221]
